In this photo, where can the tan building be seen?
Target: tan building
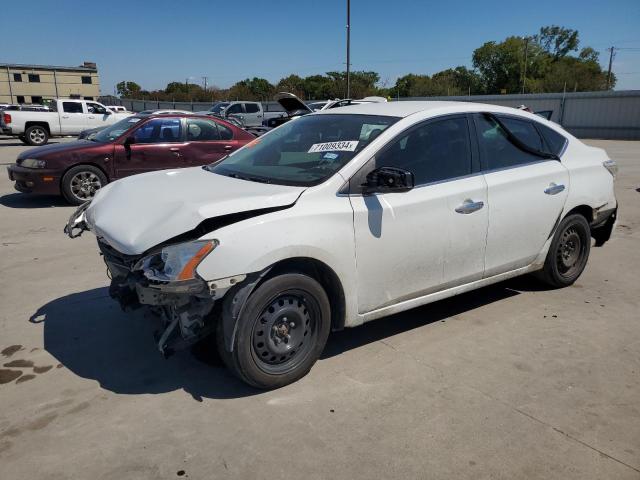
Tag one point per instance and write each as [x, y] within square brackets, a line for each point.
[38, 83]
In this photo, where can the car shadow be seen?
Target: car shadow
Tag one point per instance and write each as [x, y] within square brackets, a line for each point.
[89, 334]
[26, 200]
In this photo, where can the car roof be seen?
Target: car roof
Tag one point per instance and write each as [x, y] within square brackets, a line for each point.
[406, 108]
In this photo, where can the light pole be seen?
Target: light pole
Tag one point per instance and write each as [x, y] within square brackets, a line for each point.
[348, 48]
[526, 50]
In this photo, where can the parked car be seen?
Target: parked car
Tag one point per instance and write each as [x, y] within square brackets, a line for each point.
[431, 198]
[252, 114]
[117, 108]
[136, 144]
[161, 111]
[68, 117]
[89, 133]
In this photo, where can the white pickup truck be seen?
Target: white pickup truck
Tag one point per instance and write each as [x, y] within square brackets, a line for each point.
[252, 114]
[67, 117]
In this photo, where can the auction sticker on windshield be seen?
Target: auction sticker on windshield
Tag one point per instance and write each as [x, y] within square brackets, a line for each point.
[345, 146]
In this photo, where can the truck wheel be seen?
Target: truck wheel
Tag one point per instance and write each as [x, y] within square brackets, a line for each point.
[568, 253]
[36, 135]
[281, 332]
[81, 183]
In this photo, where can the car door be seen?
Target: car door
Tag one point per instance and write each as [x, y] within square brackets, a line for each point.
[207, 141]
[72, 118]
[431, 237]
[98, 115]
[526, 192]
[252, 114]
[236, 110]
[157, 144]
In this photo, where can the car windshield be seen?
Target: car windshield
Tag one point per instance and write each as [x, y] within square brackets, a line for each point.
[305, 151]
[218, 108]
[114, 131]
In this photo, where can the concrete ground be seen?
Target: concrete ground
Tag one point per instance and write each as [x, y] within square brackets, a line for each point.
[511, 381]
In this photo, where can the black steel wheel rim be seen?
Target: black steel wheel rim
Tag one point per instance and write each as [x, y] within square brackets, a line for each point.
[570, 251]
[285, 332]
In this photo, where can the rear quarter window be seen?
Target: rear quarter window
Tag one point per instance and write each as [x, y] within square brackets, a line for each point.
[555, 141]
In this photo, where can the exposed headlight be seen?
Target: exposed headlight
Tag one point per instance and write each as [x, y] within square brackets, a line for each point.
[612, 166]
[176, 262]
[33, 163]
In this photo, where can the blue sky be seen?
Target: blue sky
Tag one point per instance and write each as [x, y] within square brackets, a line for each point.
[155, 42]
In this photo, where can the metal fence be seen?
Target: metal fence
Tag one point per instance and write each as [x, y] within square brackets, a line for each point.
[607, 115]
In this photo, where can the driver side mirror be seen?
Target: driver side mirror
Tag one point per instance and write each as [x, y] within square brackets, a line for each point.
[387, 180]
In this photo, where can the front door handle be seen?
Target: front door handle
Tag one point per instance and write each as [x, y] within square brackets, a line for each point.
[175, 151]
[553, 189]
[469, 206]
[228, 148]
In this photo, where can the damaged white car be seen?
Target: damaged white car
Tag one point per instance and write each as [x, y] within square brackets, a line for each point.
[345, 216]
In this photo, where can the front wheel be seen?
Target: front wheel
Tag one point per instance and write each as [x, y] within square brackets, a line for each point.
[81, 183]
[281, 332]
[568, 253]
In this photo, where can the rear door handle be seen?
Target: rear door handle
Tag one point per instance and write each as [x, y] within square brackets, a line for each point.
[175, 150]
[228, 147]
[553, 189]
[469, 206]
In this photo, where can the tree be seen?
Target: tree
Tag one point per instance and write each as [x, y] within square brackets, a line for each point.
[128, 89]
[557, 41]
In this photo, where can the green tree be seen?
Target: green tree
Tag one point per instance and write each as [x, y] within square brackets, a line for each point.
[557, 41]
[128, 89]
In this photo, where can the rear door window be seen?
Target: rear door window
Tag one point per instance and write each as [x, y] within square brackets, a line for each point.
[251, 108]
[524, 131]
[496, 150]
[199, 130]
[555, 141]
[72, 107]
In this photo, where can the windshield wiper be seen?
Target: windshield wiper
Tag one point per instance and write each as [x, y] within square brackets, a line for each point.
[250, 178]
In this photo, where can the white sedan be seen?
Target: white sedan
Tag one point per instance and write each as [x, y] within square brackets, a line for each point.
[345, 216]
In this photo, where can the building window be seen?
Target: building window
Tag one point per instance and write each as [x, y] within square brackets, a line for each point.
[20, 98]
[34, 77]
[86, 80]
[88, 98]
[17, 77]
[36, 99]
[75, 95]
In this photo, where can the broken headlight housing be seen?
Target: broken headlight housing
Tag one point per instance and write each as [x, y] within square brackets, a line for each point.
[33, 163]
[176, 263]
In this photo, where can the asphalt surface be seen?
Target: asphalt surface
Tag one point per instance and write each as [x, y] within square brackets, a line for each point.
[511, 381]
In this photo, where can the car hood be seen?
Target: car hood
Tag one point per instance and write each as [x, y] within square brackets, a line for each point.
[139, 212]
[44, 150]
[291, 103]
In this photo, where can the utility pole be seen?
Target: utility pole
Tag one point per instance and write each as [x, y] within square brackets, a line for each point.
[612, 53]
[526, 51]
[205, 78]
[348, 48]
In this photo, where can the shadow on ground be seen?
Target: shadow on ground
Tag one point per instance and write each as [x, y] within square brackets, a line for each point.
[89, 334]
[25, 200]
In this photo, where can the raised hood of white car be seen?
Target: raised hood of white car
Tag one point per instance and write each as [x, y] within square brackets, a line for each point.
[142, 211]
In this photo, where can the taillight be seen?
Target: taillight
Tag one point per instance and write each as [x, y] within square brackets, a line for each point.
[6, 118]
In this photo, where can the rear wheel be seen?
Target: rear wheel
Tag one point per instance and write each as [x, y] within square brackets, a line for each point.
[81, 183]
[568, 253]
[36, 135]
[281, 332]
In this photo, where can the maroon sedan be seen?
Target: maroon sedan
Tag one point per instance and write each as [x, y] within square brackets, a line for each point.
[135, 144]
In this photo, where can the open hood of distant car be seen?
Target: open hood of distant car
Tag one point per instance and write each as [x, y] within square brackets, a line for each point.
[292, 104]
[139, 212]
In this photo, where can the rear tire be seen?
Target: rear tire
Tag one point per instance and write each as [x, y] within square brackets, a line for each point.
[81, 182]
[281, 332]
[568, 253]
[36, 135]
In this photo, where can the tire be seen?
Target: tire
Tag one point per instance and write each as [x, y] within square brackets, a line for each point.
[568, 253]
[280, 333]
[81, 182]
[36, 135]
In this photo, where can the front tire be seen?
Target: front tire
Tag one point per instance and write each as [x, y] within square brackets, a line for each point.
[80, 183]
[281, 332]
[568, 253]
[36, 135]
